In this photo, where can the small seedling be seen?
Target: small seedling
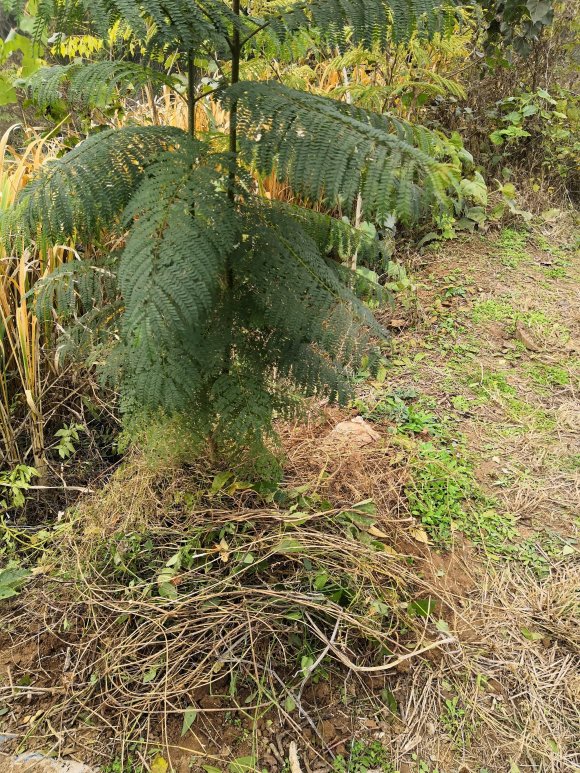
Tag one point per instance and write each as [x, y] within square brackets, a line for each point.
[363, 757]
[13, 485]
[67, 437]
[12, 578]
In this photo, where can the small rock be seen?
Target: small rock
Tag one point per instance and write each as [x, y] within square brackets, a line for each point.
[524, 336]
[357, 433]
[38, 763]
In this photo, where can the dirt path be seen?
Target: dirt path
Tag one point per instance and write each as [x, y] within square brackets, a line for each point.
[489, 347]
[496, 351]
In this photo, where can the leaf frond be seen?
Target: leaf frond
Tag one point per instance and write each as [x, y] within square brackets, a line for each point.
[332, 151]
[91, 83]
[86, 190]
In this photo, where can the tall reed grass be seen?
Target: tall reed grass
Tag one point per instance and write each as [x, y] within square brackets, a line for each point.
[25, 367]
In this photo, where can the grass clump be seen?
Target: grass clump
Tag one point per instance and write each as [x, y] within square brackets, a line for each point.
[530, 416]
[184, 581]
[512, 246]
[491, 382]
[444, 495]
[548, 376]
[493, 310]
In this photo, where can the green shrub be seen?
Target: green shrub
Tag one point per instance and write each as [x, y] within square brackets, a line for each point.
[539, 131]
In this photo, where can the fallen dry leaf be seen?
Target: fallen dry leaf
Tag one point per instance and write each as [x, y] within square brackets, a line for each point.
[374, 532]
[420, 535]
[159, 765]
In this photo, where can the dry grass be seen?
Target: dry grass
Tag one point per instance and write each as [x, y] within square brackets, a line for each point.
[515, 672]
[132, 663]
[25, 367]
[247, 603]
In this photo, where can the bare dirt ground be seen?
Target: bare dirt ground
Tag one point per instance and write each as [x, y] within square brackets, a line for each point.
[476, 476]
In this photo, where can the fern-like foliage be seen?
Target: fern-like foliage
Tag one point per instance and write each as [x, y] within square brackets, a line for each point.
[75, 289]
[187, 23]
[88, 189]
[182, 229]
[333, 151]
[366, 22]
[85, 297]
[224, 305]
[91, 83]
[181, 23]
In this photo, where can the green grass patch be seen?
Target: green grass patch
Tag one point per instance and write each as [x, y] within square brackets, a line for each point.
[549, 376]
[570, 463]
[497, 383]
[512, 246]
[493, 310]
[443, 494]
[556, 272]
[405, 408]
[530, 415]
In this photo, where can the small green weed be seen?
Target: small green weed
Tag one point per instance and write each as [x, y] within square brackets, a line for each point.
[548, 375]
[397, 407]
[420, 421]
[557, 272]
[441, 484]
[454, 722]
[12, 578]
[560, 264]
[67, 437]
[461, 403]
[570, 463]
[512, 246]
[444, 495]
[126, 765]
[14, 484]
[539, 551]
[454, 286]
[422, 765]
[363, 757]
[489, 384]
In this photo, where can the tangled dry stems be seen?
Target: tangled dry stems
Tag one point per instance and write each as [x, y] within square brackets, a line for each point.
[132, 661]
[135, 658]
